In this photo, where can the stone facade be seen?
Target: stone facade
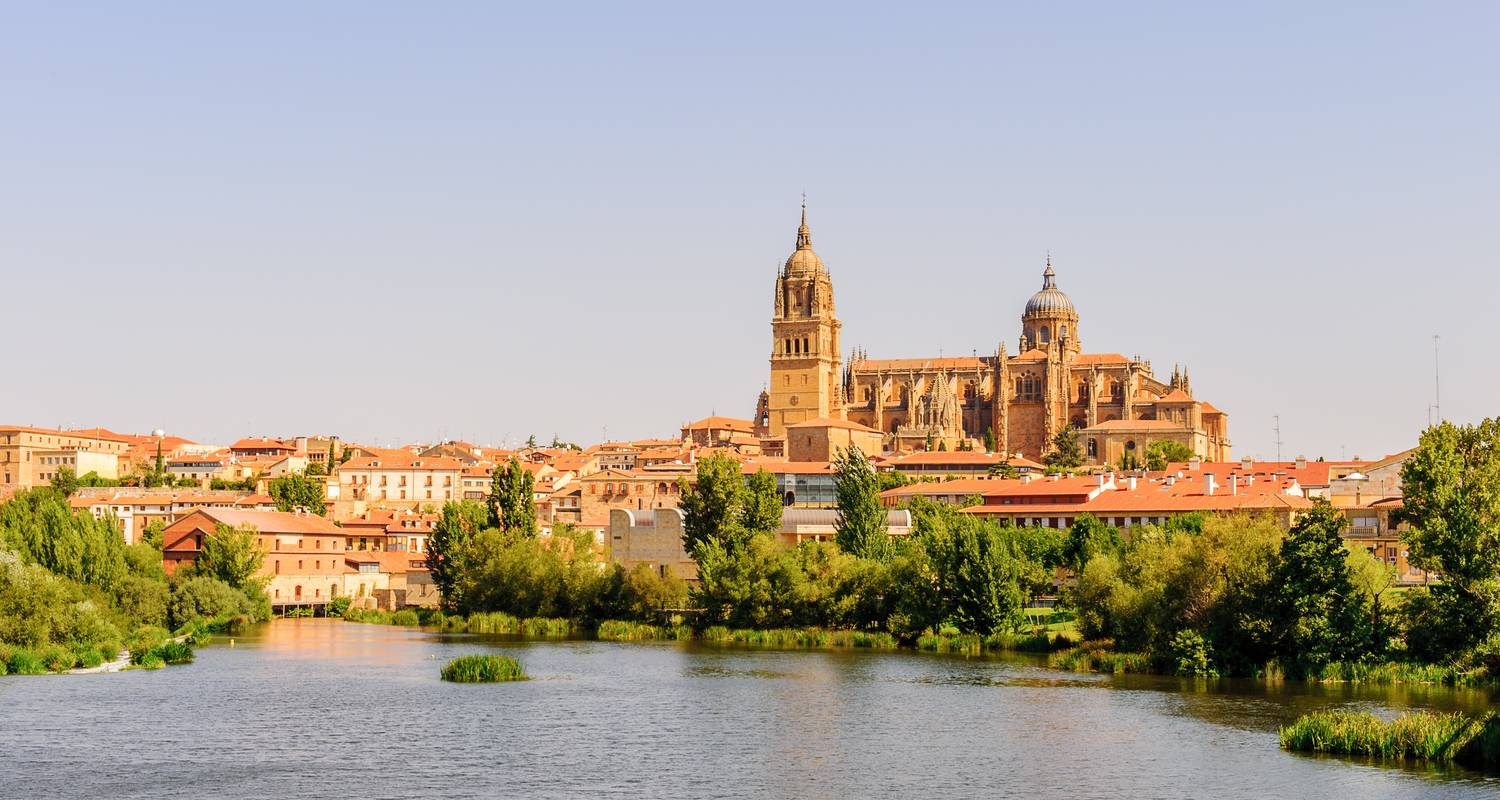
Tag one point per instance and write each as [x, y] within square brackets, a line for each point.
[1116, 402]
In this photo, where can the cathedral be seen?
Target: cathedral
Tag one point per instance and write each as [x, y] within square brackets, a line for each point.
[1022, 399]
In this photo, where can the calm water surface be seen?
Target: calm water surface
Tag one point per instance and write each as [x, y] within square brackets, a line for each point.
[318, 708]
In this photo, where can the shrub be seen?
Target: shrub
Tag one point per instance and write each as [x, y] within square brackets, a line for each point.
[1191, 656]
[87, 656]
[205, 598]
[144, 640]
[337, 606]
[483, 669]
[152, 661]
[25, 662]
[405, 617]
[56, 658]
[173, 652]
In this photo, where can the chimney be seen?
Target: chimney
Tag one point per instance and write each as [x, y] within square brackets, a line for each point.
[301, 443]
[1301, 462]
[1025, 479]
[1234, 483]
[1171, 480]
[1195, 463]
[1130, 483]
[1247, 464]
[1209, 485]
[1101, 480]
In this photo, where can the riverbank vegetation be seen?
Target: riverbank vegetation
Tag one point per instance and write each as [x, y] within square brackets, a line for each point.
[1202, 595]
[1234, 596]
[73, 594]
[483, 669]
[956, 575]
[1423, 736]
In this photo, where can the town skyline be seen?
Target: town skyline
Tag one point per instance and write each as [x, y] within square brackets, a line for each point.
[557, 241]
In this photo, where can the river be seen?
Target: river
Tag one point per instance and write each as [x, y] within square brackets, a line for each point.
[327, 709]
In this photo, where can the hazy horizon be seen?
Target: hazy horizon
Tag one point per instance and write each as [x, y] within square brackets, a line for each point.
[401, 224]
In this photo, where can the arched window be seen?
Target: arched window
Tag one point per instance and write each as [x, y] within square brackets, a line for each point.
[1083, 391]
[1116, 392]
[1044, 334]
[1093, 448]
[805, 348]
[1062, 331]
[297, 592]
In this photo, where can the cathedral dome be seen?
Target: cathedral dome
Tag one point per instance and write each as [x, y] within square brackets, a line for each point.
[803, 260]
[1050, 300]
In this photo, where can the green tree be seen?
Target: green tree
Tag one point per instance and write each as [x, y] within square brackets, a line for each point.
[333, 460]
[1451, 484]
[1066, 452]
[65, 481]
[315, 469]
[1004, 469]
[1088, 537]
[511, 501]
[234, 556]
[990, 442]
[154, 533]
[42, 529]
[447, 547]
[1162, 452]
[713, 506]
[979, 578]
[1319, 614]
[293, 491]
[860, 528]
[762, 514]
[531, 441]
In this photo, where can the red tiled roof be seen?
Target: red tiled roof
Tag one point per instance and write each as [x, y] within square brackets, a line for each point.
[828, 422]
[721, 423]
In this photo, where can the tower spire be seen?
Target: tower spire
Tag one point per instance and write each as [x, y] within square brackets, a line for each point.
[804, 236]
[1048, 276]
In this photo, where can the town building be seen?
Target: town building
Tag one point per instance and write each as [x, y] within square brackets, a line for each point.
[943, 464]
[134, 508]
[396, 480]
[33, 456]
[1025, 398]
[305, 553]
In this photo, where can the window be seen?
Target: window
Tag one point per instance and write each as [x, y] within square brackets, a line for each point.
[1045, 334]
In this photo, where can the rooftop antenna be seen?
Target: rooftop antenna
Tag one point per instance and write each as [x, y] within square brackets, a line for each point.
[1437, 386]
[1277, 428]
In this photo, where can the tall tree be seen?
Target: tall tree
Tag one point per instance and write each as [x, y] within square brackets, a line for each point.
[511, 502]
[1451, 488]
[447, 547]
[860, 528]
[1066, 452]
[294, 490]
[1162, 452]
[232, 555]
[762, 503]
[713, 507]
[990, 442]
[1319, 614]
[65, 481]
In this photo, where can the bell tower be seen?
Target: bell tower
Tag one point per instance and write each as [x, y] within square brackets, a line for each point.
[805, 351]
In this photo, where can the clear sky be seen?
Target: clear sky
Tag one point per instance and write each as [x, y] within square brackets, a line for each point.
[398, 221]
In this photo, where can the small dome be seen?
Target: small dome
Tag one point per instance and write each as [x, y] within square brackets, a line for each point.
[803, 260]
[1050, 300]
